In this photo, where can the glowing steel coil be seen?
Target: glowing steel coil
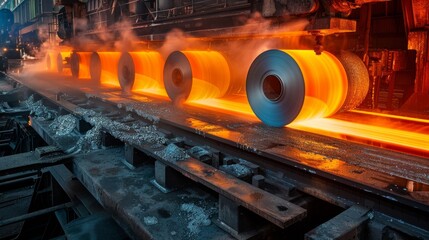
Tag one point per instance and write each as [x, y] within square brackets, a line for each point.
[141, 72]
[56, 61]
[358, 79]
[48, 61]
[288, 85]
[62, 61]
[104, 68]
[193, 75]
[51, 61]
[79, 64]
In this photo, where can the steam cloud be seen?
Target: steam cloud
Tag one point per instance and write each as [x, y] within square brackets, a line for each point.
[240, 47]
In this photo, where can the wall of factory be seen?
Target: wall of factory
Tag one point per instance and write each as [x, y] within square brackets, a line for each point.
[387, 30]
[5, 4]
[104, 13]
[12, 4]
[29, 10]
[416, 17]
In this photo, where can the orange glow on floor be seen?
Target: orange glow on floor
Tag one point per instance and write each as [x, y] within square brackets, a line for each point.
[420, 120]
[215, 130]
[325, 163]
[210, 72]
[229, 104]
[383, 134]
[148, 73]
[109, 68]
[325, 86]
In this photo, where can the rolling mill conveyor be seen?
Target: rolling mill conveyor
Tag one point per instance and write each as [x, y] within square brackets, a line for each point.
[276, 94]
[311, 163]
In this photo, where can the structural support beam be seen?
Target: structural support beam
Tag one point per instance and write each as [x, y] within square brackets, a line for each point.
[166, 178]
[239, 221]
[347, 225]
[274, 209]
[83, 126]
[35, 214]
[32, 160]
[134, 156]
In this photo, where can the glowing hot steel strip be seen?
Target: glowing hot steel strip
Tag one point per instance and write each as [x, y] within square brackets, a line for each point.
[148, 73]
[398, 137]
[51, 61]
[63, 61]
[420, 120]
[228, 105]
[109, 68]
[211, 79]
[80, 63]
[52, 56]
[210, 73]
[85, 59]
[325, 83]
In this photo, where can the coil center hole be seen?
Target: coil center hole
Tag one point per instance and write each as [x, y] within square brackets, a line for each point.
[177, 77]
[126, 73]
[272, 87]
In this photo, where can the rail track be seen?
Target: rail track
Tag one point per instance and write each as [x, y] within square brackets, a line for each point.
[379, 191]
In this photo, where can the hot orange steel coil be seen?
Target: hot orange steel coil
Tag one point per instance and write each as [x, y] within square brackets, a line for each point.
[141, 72]
[56, 59]
[104, 68]
[62, 60]
[291, 85]
[193, 75]
[50, 61]
[79, 64]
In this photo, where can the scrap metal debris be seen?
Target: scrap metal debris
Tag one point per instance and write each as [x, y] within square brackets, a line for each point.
[197, 217]
[149, 117]
[142, 133]
[172, 153]
[236, 170]
[150, 221]
[128, 118]
[63, 125]
[39, 110]
[137, 133]
[198, 152]
[90, 141]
